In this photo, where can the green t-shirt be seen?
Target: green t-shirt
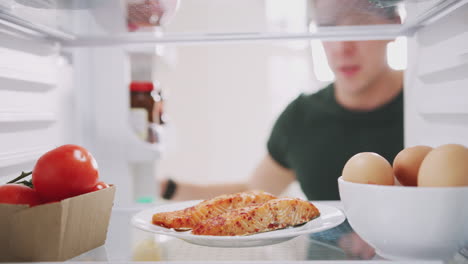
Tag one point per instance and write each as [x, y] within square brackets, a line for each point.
[315, 136]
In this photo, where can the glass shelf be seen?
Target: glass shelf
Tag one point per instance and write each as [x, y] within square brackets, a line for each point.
[110, 22]
[127, 244]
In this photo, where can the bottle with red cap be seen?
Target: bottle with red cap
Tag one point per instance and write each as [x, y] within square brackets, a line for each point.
[142, 104]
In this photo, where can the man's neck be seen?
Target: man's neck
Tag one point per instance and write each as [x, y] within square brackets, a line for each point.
[378, 93]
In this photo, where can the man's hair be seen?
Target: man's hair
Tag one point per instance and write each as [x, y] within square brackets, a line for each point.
[388, 12]
[370, 7]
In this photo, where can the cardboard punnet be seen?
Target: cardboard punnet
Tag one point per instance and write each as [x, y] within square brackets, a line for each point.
[55, 231]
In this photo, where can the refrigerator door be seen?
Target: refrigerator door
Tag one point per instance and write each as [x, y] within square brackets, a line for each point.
[436, 108]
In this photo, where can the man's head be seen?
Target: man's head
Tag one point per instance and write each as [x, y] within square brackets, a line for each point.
[356, 64]
[352, 12]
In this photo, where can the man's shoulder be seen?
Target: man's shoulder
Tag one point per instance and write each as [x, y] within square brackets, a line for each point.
[316, 98]
[312, 105]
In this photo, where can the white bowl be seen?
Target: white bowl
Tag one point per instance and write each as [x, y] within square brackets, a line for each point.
[405, 223]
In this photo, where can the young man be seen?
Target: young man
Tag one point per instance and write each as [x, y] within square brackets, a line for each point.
[316, 134]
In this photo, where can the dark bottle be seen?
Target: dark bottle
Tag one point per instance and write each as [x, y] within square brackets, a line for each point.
[142, 105]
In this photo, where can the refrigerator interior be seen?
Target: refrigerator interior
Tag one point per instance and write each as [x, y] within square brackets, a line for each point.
[66, 67]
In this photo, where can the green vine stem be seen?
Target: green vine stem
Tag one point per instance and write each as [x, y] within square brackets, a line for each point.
[22, 176]
[27, 183]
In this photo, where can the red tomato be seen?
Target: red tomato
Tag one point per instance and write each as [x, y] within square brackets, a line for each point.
[99, 186]
[65, 172]
[19, 194]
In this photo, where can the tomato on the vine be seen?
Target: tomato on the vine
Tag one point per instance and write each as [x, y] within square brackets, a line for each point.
[19, 194]
[65, 172]
[99, 186]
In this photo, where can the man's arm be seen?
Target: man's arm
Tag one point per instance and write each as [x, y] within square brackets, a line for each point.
[268, 176]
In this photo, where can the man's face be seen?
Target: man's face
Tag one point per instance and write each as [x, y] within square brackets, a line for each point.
[356, 63]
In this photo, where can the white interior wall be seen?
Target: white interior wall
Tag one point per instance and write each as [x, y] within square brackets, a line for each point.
[222, 101]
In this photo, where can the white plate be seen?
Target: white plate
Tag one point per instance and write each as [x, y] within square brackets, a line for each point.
[329, 218]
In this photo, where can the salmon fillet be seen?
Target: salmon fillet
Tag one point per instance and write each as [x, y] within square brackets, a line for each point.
[272, 215]
[189, 217]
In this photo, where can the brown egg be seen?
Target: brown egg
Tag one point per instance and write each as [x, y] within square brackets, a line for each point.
[370, 168]
[445, 166]
[406, 164]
